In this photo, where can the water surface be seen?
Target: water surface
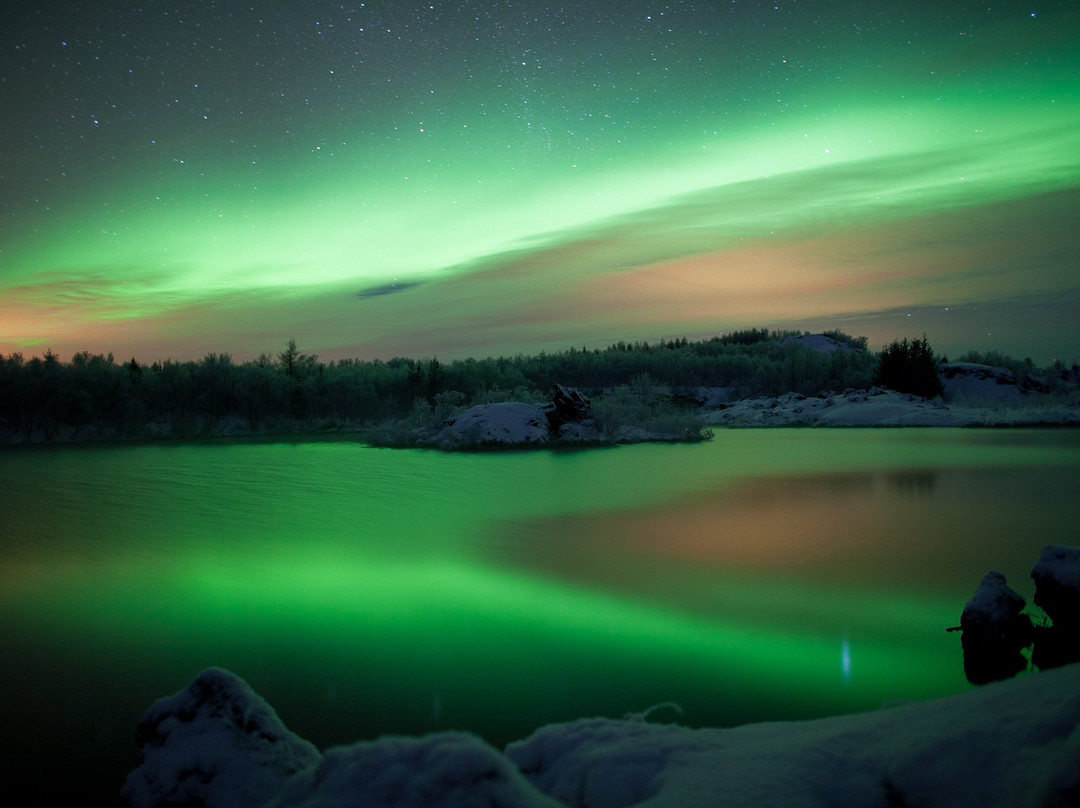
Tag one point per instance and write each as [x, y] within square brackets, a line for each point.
[766, 575]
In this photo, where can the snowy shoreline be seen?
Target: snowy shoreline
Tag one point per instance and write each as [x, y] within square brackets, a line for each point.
[490, 428]
[973, 396]
[879, 407]
[1016, 742]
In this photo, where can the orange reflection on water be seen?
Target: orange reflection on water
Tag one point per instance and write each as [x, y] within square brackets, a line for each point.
[790, 524]
[910, 528]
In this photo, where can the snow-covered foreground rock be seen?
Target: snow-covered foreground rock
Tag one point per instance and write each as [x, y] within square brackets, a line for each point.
[995, 630]
[214, 743]
[1013, 743]
[447, 770]
[1057, 584]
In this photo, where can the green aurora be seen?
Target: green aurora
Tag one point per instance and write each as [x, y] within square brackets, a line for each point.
[474, 179]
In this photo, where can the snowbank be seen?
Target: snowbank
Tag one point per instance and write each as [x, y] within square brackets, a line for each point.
[1010, 743]
[448, 770]
[875, 407]
[882, 407]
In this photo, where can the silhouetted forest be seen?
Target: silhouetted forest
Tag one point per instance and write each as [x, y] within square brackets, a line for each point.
[909, 367]
[95, 397]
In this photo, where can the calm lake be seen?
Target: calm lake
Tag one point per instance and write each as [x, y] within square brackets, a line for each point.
[769, 574]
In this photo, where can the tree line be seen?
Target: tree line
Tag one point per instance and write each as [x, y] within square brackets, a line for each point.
[94, 396]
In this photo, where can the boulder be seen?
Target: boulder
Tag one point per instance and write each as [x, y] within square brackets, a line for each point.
[1057, 592]
[507, 423]
[823, 344]
[568, 406]
[971, 380]
[1057, 584]
[994, 631]
[215, 744]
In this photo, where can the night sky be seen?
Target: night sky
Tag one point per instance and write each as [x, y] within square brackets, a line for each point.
[481, 178]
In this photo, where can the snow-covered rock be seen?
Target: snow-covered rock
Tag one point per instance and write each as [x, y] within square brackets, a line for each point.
[1057, 584]
[823, 344]
[994, 631]
[993, 605]
[447, 770]
[1007, 744]
[966, 380]
[883, 407]
[874, 407]
[880, 407]
[506, 424]
[1057, 592]
[570, 418]
[568, 405]
[215, 744]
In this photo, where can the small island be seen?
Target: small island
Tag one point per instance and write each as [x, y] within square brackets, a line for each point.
[678, 391]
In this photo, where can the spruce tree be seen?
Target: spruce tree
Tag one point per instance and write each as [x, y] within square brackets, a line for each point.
[909, 367]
